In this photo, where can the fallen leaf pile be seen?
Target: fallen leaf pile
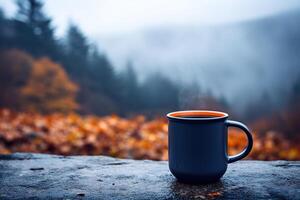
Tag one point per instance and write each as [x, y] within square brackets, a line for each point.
[112, 135]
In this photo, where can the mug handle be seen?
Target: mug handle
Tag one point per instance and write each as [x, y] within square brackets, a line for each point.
[247, 150]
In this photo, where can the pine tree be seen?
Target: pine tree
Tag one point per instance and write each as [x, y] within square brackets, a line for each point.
[35, 33]
[130, 91]
[101, 73]
[77, 48]
[160, 93]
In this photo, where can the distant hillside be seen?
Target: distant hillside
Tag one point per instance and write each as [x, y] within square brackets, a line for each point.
[244, 62]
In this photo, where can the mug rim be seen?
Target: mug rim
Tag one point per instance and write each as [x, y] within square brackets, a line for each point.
[212, 115]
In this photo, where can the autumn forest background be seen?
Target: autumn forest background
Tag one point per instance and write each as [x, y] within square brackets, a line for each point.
[63, 95]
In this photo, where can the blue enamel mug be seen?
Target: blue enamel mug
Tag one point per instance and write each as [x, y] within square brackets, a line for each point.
[198, 145]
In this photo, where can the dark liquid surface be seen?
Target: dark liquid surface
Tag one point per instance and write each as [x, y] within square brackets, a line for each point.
[197, 117]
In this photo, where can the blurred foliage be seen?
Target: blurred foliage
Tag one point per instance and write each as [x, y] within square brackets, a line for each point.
[136, 138]
[34, 85]
[15, 68]
[285, 121]
[48, 89]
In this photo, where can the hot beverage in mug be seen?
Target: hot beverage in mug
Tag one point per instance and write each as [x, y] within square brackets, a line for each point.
[198, 145]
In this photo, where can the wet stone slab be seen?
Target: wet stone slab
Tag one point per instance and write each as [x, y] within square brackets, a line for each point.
[27, 176]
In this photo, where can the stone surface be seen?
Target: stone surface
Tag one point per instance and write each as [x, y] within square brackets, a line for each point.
[26, 176]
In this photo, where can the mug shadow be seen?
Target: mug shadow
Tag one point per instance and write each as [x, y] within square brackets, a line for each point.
[181, 190]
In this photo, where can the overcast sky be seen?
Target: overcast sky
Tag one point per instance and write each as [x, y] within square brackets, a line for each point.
[110, 17]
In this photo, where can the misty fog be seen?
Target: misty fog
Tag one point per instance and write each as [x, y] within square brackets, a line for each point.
[244, 62]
